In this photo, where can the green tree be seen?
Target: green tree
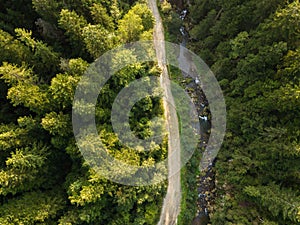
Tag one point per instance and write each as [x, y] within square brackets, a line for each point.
[43, 176]
[138, 20]
[253, 50]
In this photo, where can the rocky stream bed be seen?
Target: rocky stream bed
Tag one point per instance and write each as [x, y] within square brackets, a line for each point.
[206, 179]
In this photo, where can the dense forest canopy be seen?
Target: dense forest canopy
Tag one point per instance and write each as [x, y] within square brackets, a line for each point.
[253, 47]
[46, 46]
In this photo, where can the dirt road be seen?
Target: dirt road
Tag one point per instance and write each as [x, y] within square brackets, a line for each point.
[171, 204]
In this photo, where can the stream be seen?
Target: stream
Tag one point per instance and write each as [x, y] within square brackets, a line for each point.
[206, 180]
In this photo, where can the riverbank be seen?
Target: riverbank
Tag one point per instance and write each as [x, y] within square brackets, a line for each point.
[198, 187]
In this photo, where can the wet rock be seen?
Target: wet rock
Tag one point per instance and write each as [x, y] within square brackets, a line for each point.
[183, 14]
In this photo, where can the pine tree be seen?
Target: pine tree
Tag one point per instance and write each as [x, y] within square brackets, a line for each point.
[43, 177]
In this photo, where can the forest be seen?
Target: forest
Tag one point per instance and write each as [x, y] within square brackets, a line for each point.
[46, 46]
[253, 48]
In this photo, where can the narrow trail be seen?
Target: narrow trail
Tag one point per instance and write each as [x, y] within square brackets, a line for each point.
[171, 204]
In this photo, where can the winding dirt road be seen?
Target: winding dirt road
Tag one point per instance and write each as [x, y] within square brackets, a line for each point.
[171, 204]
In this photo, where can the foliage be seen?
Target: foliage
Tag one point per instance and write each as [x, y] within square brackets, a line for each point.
[43, 177]
[138, 20]
[253, 48]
